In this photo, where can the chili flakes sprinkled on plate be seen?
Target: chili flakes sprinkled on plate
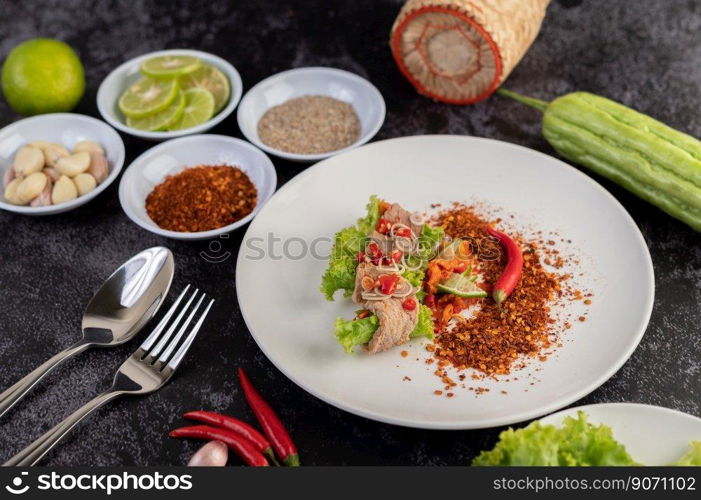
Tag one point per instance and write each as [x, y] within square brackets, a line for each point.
[494, 341]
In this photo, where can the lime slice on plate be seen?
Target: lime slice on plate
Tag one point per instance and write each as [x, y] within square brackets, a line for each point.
[148, 96]
[170, 66]
[210, 78]
[462, 285]
[199, 107]
[161, 120]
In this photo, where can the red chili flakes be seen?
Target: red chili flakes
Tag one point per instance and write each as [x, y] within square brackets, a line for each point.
[493, 339]
[404, 354]
[437, 392]
[202, 198]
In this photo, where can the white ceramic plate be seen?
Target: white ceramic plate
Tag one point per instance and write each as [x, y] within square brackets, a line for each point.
[652, 435]
[349, 87]
[171, 157]
[66, 129]
[127, 73]
[293, 324]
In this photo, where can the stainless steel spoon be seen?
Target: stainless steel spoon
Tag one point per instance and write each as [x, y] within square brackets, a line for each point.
[118, 310]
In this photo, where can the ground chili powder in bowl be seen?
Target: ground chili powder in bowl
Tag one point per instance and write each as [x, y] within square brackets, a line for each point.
[202, 198]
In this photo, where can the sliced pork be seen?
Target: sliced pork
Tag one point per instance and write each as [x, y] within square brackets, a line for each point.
[365, 271]
[395, 213]
[396, 324]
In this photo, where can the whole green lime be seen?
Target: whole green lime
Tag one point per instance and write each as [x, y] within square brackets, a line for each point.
[42, 76]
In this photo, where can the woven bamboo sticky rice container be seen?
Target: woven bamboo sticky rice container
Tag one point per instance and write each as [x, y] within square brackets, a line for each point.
[460, 51]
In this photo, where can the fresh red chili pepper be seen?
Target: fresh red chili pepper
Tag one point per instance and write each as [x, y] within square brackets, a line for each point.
[383, 226]
[234, 425]
[270, 422]
[512, 271]
[236, 443]
[460, 268]
[374, 251]
[409, 304]
[430, 300]
[388, 283]
[403, 232]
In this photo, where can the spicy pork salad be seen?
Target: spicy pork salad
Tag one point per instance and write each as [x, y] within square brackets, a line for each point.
[487, 300]
[379, 264]
[394, 265]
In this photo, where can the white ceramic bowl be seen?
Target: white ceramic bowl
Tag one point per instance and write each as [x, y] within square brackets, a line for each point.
[336, 83]
[124, 75]
[66, 129]
[171, 157]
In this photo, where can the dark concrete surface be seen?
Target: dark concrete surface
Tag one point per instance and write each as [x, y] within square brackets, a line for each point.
[645, 54]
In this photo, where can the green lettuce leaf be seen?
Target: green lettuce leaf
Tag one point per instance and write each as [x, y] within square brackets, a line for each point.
[367, 224]
[691, 457]
[340, 273]
[424, 327]
[429, 239]
[354, 332]
[351, 333]
[416, 277]
[575, 443]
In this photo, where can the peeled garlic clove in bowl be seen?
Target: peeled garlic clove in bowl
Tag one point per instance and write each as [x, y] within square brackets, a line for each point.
[84, 183]
[64, 190]
[28, 160]
[31, 186]
[89, 146]
[99, 168]
[74, 164]
[11, 192]
[44, 197]
[53, 152]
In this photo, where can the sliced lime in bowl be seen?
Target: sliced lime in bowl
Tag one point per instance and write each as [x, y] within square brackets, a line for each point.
[148, 96]
[199, 107]
[161, 120]
[170, 66]
[462, 285]
[210, 78]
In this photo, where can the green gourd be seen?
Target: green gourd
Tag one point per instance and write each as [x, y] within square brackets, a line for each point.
[650, 159]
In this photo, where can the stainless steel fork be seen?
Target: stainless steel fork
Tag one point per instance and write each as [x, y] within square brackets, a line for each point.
[146, 371]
